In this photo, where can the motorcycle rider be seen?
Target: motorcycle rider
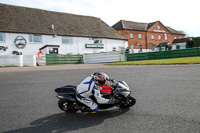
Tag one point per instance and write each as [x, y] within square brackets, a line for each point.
[91, 86]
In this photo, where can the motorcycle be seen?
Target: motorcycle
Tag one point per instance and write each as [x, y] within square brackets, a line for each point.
[68, 102]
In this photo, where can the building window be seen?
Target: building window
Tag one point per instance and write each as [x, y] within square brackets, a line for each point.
[35, 38]
[165, 37]
[2, 37]
[140, 49]
[67, 40]
[159, 37]
[158, 27]
[114, 48]
[131, 35]
[140, 36]
[132, 46]
[97, 41]
[152, 37]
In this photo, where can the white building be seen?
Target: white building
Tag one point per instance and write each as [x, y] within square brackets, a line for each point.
[179, 43]
[26, 30]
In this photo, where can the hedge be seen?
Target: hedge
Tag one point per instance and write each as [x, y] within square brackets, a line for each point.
[196, 42]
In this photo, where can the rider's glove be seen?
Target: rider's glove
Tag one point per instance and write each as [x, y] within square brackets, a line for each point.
[115, 83]
[112, 101]
[110, 79]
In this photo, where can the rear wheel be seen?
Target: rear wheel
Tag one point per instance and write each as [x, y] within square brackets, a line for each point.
[66, 106]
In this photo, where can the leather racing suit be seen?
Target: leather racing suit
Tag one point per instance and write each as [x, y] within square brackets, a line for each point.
[88, 88]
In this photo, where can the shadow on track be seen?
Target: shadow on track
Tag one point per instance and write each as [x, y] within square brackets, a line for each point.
[64, 122]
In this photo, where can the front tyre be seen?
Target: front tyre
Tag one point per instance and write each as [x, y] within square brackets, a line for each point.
[66, 106]
[128, 102]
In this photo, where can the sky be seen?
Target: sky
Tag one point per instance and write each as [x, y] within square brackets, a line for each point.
[182, 15]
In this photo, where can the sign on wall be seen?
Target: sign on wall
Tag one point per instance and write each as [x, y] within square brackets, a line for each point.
[20, 42]
[94, 46]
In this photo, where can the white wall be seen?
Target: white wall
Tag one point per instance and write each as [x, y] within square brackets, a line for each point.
[182, 45]
[11, 60]
[138, 50]
[30, 48]
[29, 60]
[17, 60]
[78, 45]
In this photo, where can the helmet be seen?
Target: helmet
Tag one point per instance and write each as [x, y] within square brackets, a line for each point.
[100, 78]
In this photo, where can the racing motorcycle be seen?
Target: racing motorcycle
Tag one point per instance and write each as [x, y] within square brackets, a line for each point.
[68, 102]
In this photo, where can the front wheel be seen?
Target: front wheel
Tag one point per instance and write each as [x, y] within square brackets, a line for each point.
[66, 106]
[128, 102]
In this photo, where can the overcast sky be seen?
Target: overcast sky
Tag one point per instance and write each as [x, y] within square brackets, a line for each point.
[182, 15]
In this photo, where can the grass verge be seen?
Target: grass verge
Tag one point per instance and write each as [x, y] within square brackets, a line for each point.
[173, 61]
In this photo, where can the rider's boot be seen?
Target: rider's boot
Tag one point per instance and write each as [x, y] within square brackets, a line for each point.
[87, 110]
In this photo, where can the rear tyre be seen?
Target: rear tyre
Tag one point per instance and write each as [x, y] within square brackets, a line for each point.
[66, 106]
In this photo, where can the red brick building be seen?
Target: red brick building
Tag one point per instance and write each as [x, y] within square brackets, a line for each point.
[145, 35]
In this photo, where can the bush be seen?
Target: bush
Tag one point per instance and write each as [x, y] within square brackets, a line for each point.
[196, 42]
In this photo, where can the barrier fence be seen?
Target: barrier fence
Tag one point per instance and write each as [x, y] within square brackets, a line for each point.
[55, 59]
[164, 54]
[104, 57]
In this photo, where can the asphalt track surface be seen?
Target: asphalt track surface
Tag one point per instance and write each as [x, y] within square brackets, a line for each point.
[168, 100]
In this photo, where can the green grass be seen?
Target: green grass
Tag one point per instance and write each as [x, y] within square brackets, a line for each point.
[173, 61]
